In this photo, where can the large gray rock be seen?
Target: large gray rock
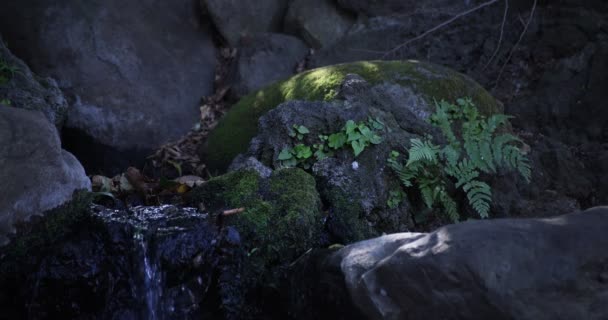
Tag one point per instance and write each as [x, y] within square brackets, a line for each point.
[357, 189]
[23, 89]
[501, 269]
[37, 175]
[237, 18]
[319, 22]
[135, 71]
[266, 58]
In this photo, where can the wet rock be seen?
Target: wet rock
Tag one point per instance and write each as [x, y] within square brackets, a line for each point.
[237, 18]
[145, 263]
[318, 22]
[23, 89]
[279, 219]
[266, 58]
[498, 269]
[37, 175]
[134, 72]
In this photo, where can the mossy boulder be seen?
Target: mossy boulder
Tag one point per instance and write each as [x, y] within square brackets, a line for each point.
[282, 217]
[426, 81]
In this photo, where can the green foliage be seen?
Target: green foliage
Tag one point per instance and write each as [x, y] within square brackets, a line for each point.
[356, 135]
[6, 102]
[7, 71]
[481, 149]
[395, 197]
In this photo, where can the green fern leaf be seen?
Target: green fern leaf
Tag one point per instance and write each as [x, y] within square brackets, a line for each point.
[479, 195]
[498, 145]
[450, 206]
[422, 150]
[495, 121]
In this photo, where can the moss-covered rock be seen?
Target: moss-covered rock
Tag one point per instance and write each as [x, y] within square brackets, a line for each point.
[34, 237]
[429, 81]
[282, 217]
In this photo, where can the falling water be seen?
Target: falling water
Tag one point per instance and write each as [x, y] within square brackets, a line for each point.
[152, 288]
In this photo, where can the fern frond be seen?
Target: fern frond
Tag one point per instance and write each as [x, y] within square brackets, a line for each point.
[479, 194]
[449, 205]
[441, 119]
[403, 173]
[498, 145]
[422, 150]
[451, 154]
[464, 172]
[516, 160]
[429, 189]
[485, 155]
[495, 121]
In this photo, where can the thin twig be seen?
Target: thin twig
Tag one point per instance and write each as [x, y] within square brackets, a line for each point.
[439, 26]
[502, 31]
[521, 36]
[232, 211]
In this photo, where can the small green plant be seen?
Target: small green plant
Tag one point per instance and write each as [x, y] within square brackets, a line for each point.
[7, 71]
[6, 102]
[395, 197]
[480, 149]
[356, 135]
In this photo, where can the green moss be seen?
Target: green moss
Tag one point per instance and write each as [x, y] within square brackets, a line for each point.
[51, 228]
[347, 222]
[282, 216]
[236, 129]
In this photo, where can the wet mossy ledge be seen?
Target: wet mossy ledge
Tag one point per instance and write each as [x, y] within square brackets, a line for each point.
[42, 232]
[282, 215]
[433, 82]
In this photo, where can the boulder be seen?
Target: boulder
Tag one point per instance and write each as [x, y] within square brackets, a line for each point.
[37, 175]
[318, 22]
[134, 72]
[237, 18]
[21, 88]
[266, 58]
[356, 190]
[414, 84]
[500, 269]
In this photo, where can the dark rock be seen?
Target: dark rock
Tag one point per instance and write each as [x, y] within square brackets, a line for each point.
[266, 58]
[134, 72]
[280, 220]
[237, 18]
[23, 89]
[250, 163]
[37, 175]
[356, 190]
[500, 269]
[150, 262]
[319, 22]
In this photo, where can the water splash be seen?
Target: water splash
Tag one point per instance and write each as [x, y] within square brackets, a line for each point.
[152, 287]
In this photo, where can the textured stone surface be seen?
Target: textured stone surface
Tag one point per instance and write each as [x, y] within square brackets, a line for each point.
[266, 58]
[237, 18]
[23, 89]
[37, 175]
[134, 72]
[318, 22]
[502, 269]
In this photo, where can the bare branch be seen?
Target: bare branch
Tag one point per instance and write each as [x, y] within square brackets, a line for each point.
[439, 26]
[502, 31]
[521, 36]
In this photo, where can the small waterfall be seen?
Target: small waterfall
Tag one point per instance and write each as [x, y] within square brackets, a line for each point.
[151, 286]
